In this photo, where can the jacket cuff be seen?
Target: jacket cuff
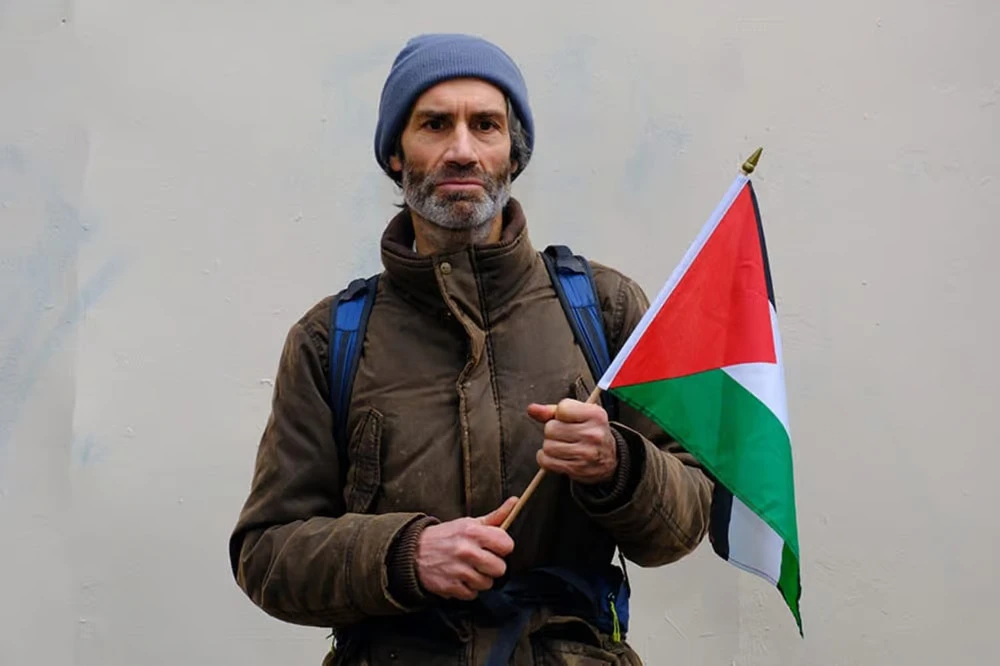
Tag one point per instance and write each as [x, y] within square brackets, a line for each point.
[609, 496]
[401, 563]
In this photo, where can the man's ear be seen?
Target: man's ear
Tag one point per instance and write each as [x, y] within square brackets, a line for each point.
[395, 163]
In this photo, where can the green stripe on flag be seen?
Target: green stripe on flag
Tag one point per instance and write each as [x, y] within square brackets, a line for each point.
[789, 584]
[738, 440]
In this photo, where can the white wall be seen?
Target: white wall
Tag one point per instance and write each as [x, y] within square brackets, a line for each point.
[179, 180]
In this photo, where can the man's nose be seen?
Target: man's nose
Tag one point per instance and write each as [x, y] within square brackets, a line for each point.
[462, 148]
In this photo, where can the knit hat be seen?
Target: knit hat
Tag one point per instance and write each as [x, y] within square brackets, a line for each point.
[429, 59]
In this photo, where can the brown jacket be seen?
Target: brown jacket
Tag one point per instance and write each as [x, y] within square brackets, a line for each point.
[457, 346]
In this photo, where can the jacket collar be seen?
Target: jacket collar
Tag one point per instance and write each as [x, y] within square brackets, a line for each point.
[477, 279]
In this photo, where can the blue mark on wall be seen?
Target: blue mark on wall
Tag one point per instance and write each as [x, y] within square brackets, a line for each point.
[87, 450]
[39, 310]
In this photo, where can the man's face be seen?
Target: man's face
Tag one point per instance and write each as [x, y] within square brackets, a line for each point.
[456, 164]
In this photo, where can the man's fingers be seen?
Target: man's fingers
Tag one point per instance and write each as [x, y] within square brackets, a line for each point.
[488, 564]
[496, 541]
[474, 580]
[554, 465]
[576, 470]
[571, 432]
[459, 590]
[496, 517]
[542, 413]
[567, 411]
[571, 451]
[574, 411]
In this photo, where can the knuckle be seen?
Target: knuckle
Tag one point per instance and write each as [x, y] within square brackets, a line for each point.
[475, 582]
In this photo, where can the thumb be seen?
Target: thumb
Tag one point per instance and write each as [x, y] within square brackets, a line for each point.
[496, 517]
[542, 413]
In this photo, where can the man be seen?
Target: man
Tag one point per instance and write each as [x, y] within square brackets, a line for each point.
[470, 379]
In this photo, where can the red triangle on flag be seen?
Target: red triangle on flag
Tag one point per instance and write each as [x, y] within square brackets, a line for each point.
[718, 313]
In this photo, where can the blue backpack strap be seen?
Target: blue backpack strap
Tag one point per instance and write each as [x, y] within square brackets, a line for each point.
[349, 313]
[574, 284]
[573, 281]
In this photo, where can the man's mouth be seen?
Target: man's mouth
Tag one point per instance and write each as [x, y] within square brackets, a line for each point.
[460, 184]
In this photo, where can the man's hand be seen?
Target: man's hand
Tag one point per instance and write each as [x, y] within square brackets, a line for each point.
[461, 558]
[578, 441]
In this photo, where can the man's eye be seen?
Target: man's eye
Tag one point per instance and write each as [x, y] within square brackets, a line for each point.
[487, 125]
[434, 124]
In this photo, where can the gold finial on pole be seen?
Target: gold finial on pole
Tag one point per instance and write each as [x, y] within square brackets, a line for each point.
[751, 162]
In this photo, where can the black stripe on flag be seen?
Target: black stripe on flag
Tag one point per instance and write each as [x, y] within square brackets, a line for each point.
[763, 247]
[718, 527]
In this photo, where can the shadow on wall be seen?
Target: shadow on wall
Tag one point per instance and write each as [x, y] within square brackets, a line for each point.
[41, 301]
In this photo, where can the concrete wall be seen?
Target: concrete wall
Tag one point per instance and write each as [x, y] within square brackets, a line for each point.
[180, 180]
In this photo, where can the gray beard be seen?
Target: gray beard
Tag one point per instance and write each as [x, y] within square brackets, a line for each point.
[443, 239]
[461, 217]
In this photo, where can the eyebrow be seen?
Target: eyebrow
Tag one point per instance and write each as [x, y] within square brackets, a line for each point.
[428, 113]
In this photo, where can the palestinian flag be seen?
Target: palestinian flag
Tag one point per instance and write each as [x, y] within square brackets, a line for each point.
[705, 364]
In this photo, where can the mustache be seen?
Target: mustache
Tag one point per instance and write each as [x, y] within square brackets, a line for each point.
[426, 181]
[457, 172]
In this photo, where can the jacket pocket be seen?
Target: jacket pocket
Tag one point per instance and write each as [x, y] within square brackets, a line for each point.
[571, 653]
[365, 455]
[571, 641]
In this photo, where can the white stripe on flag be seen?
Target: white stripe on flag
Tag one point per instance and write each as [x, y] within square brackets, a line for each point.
[753, 545]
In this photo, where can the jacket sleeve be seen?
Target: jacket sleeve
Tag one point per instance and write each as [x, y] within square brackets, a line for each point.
[658, 510]
[294, 550]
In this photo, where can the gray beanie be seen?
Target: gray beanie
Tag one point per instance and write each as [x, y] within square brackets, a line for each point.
[429, 59]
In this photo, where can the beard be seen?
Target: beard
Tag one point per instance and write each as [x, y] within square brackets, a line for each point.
[469, 212]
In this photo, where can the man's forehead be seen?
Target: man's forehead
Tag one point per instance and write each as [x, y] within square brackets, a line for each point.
[468, 93]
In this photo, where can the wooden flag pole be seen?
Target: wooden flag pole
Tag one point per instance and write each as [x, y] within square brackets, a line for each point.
[530, 490]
